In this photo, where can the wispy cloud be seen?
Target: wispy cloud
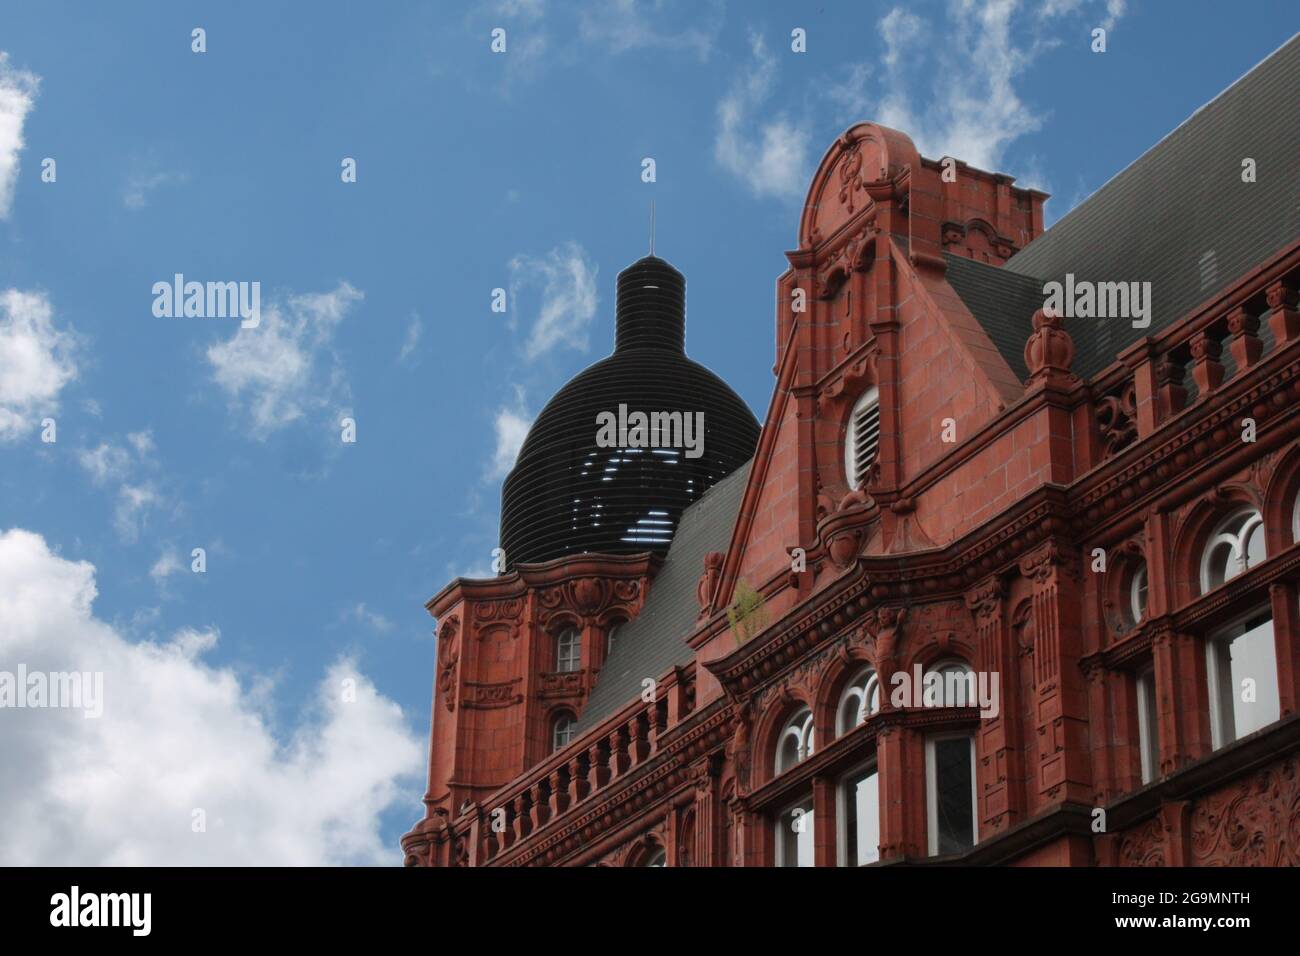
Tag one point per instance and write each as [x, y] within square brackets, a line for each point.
[510, 425]
[371, 619]
[168, 563]
[36, 361]
[18, 90]
[285, 367]
[414, 329]
[768, 153]
[135, 194]
[567, 279]
[621, 25]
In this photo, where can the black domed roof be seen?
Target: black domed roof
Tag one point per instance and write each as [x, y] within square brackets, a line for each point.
[569, 494]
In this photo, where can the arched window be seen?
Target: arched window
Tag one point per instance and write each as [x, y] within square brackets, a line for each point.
[862, 438]
[796, 741]
[1236, 545]
[1295, 520]
[568, 650]
[1137, 594]
[657, 857]
[861, 699]
[561, 731]
[955, 686]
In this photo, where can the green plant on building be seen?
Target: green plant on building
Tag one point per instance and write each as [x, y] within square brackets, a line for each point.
[747, 613]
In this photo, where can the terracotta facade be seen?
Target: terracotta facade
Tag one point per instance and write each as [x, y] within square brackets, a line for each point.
[1001, 525]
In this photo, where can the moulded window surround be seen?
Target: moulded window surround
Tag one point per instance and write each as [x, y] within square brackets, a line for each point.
[858, 813]
[860, 699]
[1245, 651]
[568, 650]
[561, 732]
[1236, 545]
[611, 637]
[795, 744]
[955, 693]
[950, 798]
[862, 437]
[795, 835]
[1148, 734]
[1137, 594]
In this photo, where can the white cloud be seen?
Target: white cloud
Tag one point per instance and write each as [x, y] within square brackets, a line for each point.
[36, 361]
[177, 735]
[371, 619]
[769, 155]
[142, 442]
[414, 329]
[524, 9]
[285, 367]
[17, 97]
[134, 503]
[568, 282]
[105, 463]
[959, 97]
[168, 563]
[621, 25]
[135, 194]
[510, 424]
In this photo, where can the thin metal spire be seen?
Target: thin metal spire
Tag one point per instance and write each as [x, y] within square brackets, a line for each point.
[652, 227]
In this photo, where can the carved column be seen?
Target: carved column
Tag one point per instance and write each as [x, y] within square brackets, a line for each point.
[706, 851]
[1283, 320]
[597, 775]
[578, 785]
[1062, 770]
[1245, 346]
[824, 826]
[1207, 371]
[1181, 703]
[900, 762]
[1000, 767]
[558, 801]
[1286, 639]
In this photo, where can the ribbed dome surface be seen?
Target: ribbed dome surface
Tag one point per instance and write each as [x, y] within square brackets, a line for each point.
[566, 495]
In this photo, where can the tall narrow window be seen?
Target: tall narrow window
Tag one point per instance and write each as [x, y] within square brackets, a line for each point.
[860, 812]
[796, 741]
[861, 699]
[1236, 545]
[561, 732]
[862, 439]
[568, 650]
[1242, 673]
[794, 835]
[1148, 736]
[1137, 594]
[950, 793]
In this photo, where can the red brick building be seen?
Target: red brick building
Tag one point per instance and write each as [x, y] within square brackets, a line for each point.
[1086, 525]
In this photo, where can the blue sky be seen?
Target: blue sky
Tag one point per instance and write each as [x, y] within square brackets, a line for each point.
[475, 170]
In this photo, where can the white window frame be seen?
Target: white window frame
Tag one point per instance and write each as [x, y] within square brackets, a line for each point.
[568, 721]
[861, 687]
[570, 640]
[1239, 556]
[785, 820]
[659, 858]
[971, 682]
[869, 397]
[1148, 724]
[800, 726]
[845, 855]
[1221, 692]
[1139, 582]
[1295, 521]
[931, 794]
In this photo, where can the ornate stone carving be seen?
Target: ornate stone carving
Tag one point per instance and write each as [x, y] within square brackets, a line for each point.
[1117, 419]
[1253, 822]
[1049, 351]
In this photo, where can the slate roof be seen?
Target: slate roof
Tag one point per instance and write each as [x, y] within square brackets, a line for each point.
[656, 639]
[1179, 217]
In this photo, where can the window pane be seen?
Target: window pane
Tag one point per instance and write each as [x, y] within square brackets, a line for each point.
[953, 789]
[1255, 546]
[1253, 656]
[862, 807]
[1147, 733]
[794, 831]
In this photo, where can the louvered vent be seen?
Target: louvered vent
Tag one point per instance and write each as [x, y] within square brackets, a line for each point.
[864, 438]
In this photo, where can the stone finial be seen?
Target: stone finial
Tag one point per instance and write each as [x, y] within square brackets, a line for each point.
[1050, 350]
